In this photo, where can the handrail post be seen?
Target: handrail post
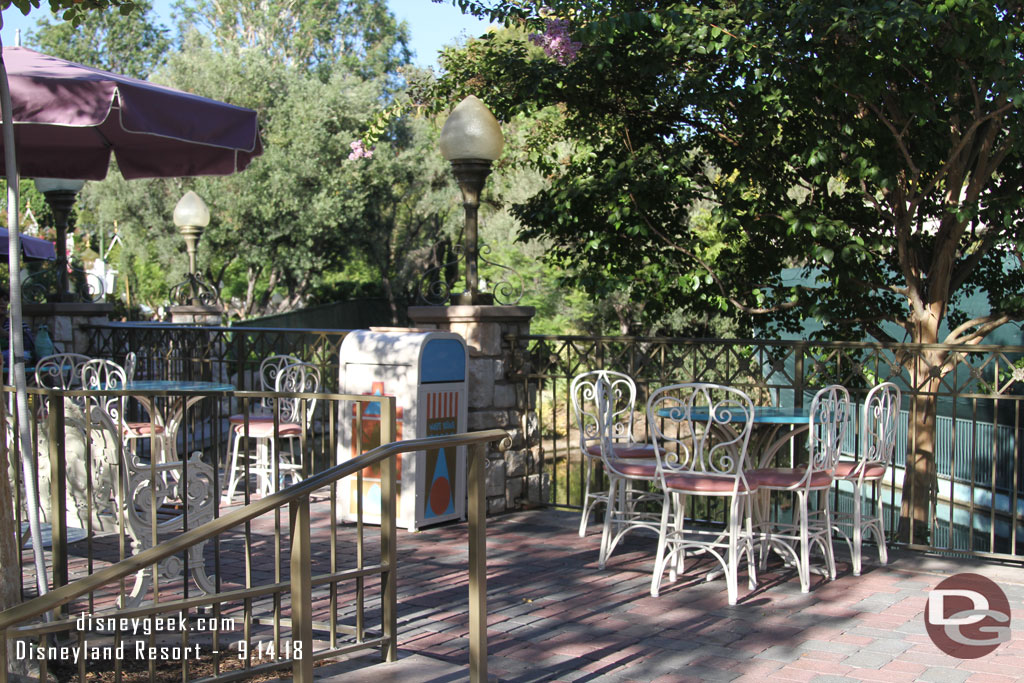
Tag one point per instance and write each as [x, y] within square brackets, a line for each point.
[302, 592]
[388, 533]
[476, 514]
[58, 490]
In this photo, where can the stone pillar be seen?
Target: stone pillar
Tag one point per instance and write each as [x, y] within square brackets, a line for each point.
[197, 314]
[66, 321]
[515, 478]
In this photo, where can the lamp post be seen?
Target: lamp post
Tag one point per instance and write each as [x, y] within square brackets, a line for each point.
[191, 215]
[471, 139]
[60, 194]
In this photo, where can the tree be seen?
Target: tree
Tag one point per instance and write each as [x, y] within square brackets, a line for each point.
[281, 223]
[133, 45]
[300, 213]
[361, 36]
[406, 208]
[874, 145]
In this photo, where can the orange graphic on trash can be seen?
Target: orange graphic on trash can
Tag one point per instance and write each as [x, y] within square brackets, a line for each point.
[368, 428]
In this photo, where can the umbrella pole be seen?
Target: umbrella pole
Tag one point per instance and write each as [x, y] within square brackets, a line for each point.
[17, 355]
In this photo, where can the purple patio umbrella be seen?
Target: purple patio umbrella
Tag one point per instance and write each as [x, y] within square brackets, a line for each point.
[67, 120]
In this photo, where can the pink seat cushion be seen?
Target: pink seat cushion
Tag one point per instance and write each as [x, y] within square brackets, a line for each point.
[705, 483]
[634, 468]
[253, 417]
[263, 429]
[845, 470]
[142, 428]
[625, 450]
[786, 477]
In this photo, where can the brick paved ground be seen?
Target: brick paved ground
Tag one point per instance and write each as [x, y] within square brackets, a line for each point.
[553, 616]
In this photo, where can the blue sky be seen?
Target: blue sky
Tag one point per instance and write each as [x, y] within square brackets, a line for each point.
[431, 25]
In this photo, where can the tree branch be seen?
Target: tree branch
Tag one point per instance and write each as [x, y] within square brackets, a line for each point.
[964, 334]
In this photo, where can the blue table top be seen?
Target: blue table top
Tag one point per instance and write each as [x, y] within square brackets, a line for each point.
[762, 415]
[178, 386]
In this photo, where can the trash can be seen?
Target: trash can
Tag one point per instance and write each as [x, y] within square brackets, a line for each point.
[426, 372]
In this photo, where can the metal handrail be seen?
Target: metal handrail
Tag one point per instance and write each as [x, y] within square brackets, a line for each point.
[298, 495]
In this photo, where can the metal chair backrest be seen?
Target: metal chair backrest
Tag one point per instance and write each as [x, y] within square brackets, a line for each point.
[879, 423]
[60, 370]
[701, 428]
[830, 416]
[583, 393]
[270, 368]
[297, 378]
[100, 374]
[131, 363]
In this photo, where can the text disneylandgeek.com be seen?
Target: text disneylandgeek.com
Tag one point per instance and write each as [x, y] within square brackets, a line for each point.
[262, 650]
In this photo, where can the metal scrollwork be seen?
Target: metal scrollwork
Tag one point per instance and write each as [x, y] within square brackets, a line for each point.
[162, 484]
[506, 293]
[194, 291]
[83, 286]
[435, 287]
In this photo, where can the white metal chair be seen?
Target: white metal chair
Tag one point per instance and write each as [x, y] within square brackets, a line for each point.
[270, 368]
[879, 423]
[158, 480]
[100, 374]
[633, 501]
[582, 392]
[289, 421]
[60, 370]
[830, 414]
[263, 409]
[701, 433]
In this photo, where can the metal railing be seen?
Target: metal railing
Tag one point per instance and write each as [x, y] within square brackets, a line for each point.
[225, 354]
[978, 505]
[976, 508]
[279, 580]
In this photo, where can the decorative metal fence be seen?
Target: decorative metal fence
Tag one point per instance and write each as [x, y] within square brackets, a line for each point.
[978, 505]
[227, 354]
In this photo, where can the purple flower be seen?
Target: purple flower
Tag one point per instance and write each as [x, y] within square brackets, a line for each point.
[358, 151]
[556, 42]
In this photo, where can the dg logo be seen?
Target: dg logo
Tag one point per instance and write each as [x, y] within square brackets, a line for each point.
[967, 616]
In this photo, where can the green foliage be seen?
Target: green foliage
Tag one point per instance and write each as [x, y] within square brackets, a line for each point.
[358, 36]
[151, 256]
[73, 11]
[303, 212]
[706, 148]
[132, 45]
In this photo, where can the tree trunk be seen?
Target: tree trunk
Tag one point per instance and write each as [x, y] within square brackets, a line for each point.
[389, 294]
[920, 477]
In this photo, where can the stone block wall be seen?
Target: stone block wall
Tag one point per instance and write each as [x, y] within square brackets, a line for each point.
[514, 478]
[66, 322]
